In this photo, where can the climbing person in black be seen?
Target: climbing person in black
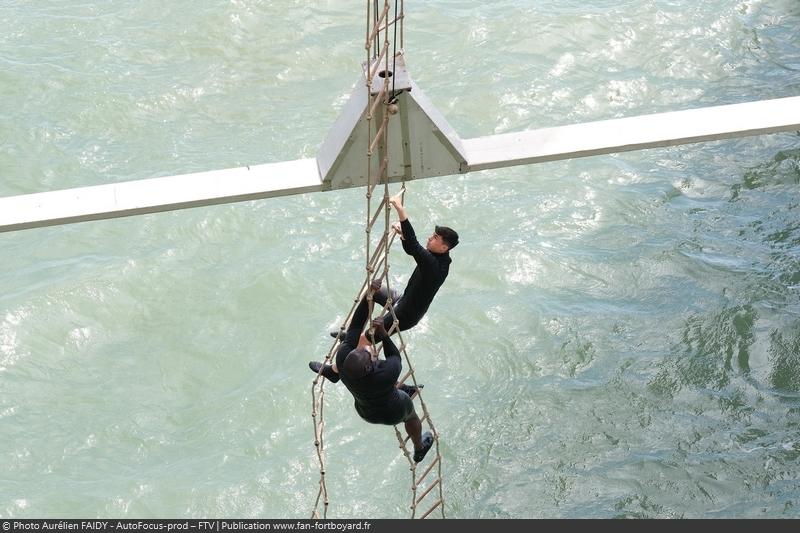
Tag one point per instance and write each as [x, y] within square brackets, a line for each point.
[433, 264]
[379, 399]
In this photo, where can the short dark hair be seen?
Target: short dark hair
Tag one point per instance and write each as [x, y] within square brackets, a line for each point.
[448, 235]
[357, 364]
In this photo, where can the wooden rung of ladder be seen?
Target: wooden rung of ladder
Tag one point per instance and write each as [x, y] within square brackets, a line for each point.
[378, 212]
[375, 259]
[429, 511]
[376, 179]
[377, 27]
[378, 100]
[379, 136]
[391, 23]
[378, 61]
[430, 488]
[421, 478]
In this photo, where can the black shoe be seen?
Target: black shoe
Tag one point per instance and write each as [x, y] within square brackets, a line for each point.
[337, 335]
[327, 370]
[410, 389]
[427, 442]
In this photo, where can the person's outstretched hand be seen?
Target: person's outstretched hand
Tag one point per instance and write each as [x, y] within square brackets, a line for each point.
[396, 201]
[398, 229]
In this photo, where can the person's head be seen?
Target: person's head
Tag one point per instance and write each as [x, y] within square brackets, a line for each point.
[357, 364]
[442, 240]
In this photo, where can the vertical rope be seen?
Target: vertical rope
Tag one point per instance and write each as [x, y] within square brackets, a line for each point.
[402, 24]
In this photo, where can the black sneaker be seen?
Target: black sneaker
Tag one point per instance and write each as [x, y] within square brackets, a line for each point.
[411, 390]
[327, 370]
[427, 442]
[337, 335]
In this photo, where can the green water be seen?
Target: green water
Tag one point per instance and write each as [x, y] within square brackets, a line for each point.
[619, 335]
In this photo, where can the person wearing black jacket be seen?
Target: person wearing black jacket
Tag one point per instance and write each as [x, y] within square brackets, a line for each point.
[378, 398]
[433, 265]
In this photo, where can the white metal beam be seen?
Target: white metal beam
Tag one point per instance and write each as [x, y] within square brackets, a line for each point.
[633, 133]
[158, 194]
[304, 175]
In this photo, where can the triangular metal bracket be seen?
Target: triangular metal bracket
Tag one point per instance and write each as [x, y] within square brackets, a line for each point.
[421, 143]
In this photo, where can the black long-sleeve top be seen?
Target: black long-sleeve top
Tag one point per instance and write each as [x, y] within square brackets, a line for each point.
[373, 390]
[428, 276]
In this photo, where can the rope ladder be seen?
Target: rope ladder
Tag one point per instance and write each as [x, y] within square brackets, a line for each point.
[426, 488]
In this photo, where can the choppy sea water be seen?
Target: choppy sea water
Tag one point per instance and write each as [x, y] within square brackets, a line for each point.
[619, 335]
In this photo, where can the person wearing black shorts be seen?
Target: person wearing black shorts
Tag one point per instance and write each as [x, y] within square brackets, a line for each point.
[379, 399]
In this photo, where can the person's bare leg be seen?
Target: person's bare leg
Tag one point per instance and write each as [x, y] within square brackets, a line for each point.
[414, 430]
[422, 441]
